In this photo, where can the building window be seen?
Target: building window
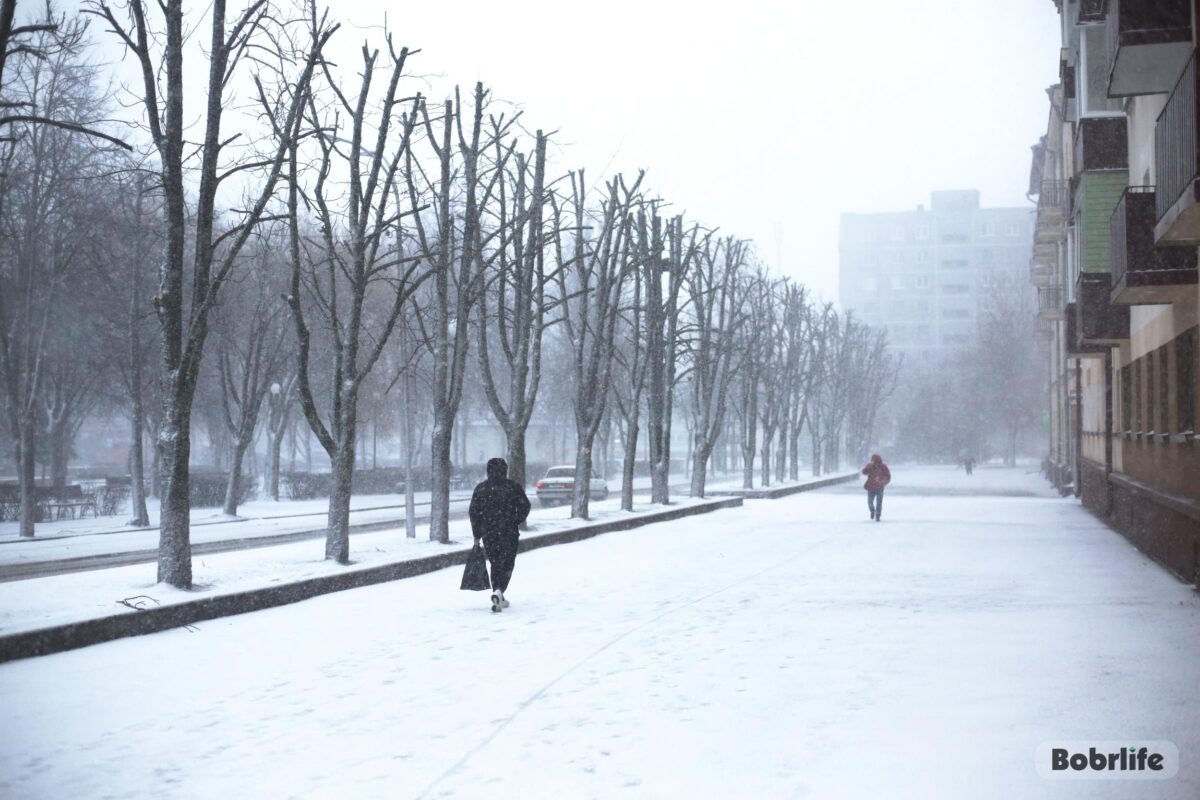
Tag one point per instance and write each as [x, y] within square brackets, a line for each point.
[922, 256]
[988, 229]
[1185, 379]
[897, 282]
[1127, 397]
[1164, 424]
[897, 233]
[1013, 229]
[956, 313]
[923, 232]
[923, 282]
[1149, 359]
[1135, 396]
[957, 263]
[922, 305]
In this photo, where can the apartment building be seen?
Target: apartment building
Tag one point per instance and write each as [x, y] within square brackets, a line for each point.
[922, 273]
[1115, 265]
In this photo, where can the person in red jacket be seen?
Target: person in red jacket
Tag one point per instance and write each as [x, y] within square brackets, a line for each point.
[878, 476]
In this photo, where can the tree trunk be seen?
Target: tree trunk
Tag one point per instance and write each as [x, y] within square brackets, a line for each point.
[515, 439]
[699, 467]
[27, 472]
[439, 505]
[275, 445]
[766, 462]
[583, 476]
[59, 448]
[233, 487]
[631, 436]
[174, 542]
[137, 466]
[337, 538]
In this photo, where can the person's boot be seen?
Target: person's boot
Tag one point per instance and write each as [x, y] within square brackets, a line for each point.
[497, 601]
[503, 601]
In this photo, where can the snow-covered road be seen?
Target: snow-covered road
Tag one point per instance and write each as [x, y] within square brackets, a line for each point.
[792, 648]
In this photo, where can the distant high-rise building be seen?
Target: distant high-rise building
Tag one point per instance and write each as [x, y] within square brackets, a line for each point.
[923, 274]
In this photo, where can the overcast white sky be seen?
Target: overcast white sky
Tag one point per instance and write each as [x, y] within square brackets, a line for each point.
[759, 116]
[766, 119]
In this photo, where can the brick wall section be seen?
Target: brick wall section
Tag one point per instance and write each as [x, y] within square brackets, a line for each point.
[1165, 527]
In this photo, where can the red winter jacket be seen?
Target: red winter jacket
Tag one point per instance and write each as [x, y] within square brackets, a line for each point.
[878, 475]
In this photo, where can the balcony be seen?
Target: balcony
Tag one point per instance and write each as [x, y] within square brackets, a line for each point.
[1044, 264]
[1175, 137]
[1053, 202]
[1149, 42]
[1098, 321]
[1143, 274]
[1091, 11]
[1076, 347]
[1101, 143]
[1050, 302]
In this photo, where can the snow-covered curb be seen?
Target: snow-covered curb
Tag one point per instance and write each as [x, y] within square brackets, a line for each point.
[183, 609]
[784, 489]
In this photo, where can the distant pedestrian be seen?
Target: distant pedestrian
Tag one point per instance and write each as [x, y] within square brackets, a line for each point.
[498, 507]
[969, 462]
[878, 476]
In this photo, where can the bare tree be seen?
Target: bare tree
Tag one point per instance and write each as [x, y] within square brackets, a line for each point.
[662, 335]
[593, 249]
[359, 256]
[250, 356]
[183, 315]
[716, 317]
[44, 39]
[45, 174]
[517, 309]
[457, 247]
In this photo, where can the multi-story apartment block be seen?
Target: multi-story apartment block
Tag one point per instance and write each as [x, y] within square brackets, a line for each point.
[1115, 263]
[922, 274]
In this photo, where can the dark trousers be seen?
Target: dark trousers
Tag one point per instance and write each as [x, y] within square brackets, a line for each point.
[502, 553]
[875, 503]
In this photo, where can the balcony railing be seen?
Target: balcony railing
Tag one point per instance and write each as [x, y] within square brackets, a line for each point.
[1053, 197]
[1099, 321]
[1175, 163]
[1050, 301]
[1148, 44]
[1101, 143]
[1142, 273]
[1092, 11]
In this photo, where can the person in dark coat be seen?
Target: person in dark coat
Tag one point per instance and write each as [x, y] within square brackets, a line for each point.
[878, 476]
[498, 507]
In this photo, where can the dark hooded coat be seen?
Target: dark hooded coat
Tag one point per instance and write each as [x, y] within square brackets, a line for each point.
[498, 505]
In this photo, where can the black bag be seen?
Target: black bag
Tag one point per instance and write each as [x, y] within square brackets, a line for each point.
[475, 576]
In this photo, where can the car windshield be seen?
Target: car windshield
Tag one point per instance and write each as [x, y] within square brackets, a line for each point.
[560, 472]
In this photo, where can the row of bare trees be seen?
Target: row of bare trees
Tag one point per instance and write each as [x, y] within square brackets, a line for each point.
[313, 243]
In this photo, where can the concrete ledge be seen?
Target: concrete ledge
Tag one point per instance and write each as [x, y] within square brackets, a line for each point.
[782, 491]
[59, 638]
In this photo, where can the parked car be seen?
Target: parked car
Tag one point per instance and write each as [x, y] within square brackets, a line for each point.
[559, 484]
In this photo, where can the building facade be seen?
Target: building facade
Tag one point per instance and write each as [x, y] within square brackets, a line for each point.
[1115, 265]
[922, 274]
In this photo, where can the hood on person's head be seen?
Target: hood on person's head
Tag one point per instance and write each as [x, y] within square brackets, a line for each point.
[497, 468]
[875, 459]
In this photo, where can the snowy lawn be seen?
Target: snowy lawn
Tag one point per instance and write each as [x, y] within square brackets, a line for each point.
[53, 600]
[64, 539]
[792, 648]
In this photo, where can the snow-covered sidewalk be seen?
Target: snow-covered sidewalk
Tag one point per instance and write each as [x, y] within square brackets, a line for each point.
[94, 594]
[791, 648]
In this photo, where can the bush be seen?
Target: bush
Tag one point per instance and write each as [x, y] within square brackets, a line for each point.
[207, 489]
